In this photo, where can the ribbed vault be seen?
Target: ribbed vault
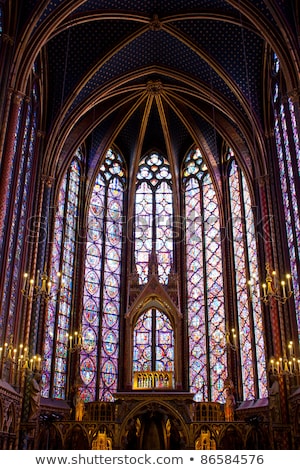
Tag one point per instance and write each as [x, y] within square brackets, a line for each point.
[155, 74]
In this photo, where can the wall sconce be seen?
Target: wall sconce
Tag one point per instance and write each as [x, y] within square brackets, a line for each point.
[40, 286]
[276, 289]
[289, 364]
[74, 341]
[15, 360]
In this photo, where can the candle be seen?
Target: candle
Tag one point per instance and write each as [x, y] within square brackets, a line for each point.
[288, 276]
[25, 282]
[44, 279]
[31, 284]
[250, 288]
[286, 365]
[264, 289]
[283, 289]
[49, 287]
[234, 336]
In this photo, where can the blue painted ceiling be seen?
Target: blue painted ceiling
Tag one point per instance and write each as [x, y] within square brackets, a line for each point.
[196, 49]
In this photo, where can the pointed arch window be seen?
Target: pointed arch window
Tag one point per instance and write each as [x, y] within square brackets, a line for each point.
[153, 342]
[102, 282]
[205, 298]
[54, 376]
[154, 217]
[21, 182]
[1, 23]
[288, 154]
[248, 306]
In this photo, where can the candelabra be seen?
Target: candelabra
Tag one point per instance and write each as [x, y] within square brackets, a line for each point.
[40, 286]
[15, 359]
[74, 341]
[273, 288]
[288, 365]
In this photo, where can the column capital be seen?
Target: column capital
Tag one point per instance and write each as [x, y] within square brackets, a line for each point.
[294, 94]
[41, 134]
[7, 39]
[263, 180]
[48, 180]
[17, 96]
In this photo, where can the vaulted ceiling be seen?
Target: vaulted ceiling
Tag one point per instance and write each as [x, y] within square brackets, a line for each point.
[154, 74]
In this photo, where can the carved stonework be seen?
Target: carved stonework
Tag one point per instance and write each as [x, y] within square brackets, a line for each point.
[10, 415]
[155, 24]
[294, 94]
[48, 180]
[154, 87]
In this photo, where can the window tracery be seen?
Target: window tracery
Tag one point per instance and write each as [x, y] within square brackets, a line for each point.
[288, 154]
[153, 342]
[205, 292]
[154, 217]
[21, 177]
[102, 282]
[249, 314]
[58, 315]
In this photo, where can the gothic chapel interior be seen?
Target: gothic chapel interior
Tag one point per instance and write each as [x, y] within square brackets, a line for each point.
[149, 220]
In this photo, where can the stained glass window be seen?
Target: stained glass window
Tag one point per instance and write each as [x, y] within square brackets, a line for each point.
[21, 174]
[102, 283]
[153, 342]
[1, 22]
[206, 310]
[154, 217]
[54, 376]
[249, 314]
[288, 153]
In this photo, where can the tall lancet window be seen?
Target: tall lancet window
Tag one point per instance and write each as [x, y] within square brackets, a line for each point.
[153, 342]
[248, 306]
[205, 292]
[1, 22]
[21, 177]
[288, 153]
[54, 376]
[102, 282]
[154, 217]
